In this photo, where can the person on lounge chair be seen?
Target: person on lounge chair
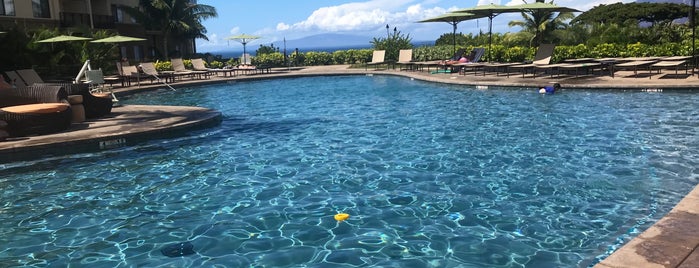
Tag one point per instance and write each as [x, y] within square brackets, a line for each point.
[550, 90]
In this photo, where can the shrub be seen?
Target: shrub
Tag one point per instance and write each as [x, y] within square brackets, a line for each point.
[216, 64]
[164, 65]
[318, 58]
[274, 59]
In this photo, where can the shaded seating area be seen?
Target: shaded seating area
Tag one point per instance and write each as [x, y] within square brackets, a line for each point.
[85, 102]
[34, 110]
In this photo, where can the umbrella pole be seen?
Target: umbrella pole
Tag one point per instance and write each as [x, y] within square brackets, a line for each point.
[692, 24]
[453, 37]
[490, 38]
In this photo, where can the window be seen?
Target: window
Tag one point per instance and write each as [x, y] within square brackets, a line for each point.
[117, 14]
[41, 8]
[7, 8]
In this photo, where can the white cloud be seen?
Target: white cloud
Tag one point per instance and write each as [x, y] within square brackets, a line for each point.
[369, 18]
[365, 16]
[283, 26]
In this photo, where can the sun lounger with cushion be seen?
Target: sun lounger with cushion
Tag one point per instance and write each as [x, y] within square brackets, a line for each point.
[35, 110]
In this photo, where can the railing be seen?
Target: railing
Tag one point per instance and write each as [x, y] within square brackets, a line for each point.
[69, 19]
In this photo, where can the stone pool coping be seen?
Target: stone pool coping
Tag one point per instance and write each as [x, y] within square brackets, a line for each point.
[673, 241]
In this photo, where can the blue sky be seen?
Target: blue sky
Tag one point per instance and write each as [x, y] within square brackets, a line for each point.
[278, 19]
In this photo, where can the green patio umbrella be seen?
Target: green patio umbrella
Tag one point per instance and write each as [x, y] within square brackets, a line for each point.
[243, 39]
[538, 6]
[453, 18]
[490, 11]
[118, 39]
[64, 38]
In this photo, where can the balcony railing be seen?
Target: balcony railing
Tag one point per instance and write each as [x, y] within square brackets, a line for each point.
[69, 19]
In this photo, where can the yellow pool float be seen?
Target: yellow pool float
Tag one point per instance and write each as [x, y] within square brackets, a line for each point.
[341, 216]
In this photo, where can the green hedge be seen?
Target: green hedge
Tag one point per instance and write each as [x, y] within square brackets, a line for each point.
[494, 53]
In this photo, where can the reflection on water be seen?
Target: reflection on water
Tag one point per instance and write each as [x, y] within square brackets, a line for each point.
[432, 175]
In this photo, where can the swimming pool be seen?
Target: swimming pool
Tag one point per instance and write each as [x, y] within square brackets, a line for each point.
[432, 175]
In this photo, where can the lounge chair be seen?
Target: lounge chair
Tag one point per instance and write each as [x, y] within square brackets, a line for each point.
[671, 64]
[405, 58]
[30, 76]
[35, 110]
[149, 69]
[542, 60]
[635, 65]
[377, 59]
[199, 65]
[474, 59]
[576, 67]
[131, 73]
[15, 79]
[441, 63]
[180, 69]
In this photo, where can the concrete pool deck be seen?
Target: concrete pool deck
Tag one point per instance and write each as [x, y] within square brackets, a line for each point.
[671, 242]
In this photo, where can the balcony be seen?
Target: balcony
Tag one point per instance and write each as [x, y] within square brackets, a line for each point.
[69, 19]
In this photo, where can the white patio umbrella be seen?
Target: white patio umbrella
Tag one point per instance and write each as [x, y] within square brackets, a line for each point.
[243, 39]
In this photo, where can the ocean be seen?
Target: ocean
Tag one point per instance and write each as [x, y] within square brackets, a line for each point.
[235, 53]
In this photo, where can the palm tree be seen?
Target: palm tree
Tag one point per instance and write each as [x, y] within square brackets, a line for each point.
[541, 24]
[173, 18]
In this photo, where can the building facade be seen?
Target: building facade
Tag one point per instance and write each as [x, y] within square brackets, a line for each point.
[74, 15]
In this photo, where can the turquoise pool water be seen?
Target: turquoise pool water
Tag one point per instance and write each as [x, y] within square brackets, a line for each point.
[432, 175]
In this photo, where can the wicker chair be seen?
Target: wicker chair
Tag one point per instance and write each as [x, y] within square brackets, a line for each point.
[31, 123]
[96, 105]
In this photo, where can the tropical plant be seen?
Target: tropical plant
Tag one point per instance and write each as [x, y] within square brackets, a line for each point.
[393, 43]
[266, 49]
[619, 13]
[175, 19]
[539, 25]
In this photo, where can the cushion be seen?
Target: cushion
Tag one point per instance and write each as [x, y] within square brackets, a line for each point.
[40, 108]
[102, 94]
[75, 99]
